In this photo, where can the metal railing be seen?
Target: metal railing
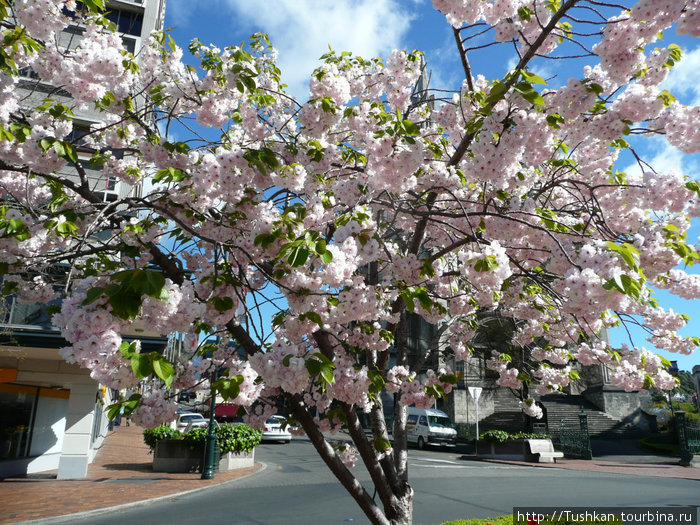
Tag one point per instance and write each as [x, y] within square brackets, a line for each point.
[688, 438]
[574, 443]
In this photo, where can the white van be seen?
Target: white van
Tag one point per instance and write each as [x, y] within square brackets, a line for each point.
[430, 427]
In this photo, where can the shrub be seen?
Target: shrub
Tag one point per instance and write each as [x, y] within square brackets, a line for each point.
[151, 436]
[530, 435]
[237, 438]
[501, 436]
[231, 438]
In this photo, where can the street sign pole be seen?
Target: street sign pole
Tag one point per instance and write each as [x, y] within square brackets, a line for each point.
[475, 392]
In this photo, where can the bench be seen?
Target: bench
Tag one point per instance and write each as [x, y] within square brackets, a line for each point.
[544, 450]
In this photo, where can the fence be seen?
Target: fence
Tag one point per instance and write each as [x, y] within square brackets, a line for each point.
[574, 443]
[688, 437]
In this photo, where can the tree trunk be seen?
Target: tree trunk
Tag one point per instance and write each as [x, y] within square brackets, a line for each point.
[401, 510]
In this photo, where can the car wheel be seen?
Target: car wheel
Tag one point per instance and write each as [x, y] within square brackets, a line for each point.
[421, 443]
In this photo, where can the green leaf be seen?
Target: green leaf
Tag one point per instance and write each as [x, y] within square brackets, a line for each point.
[407, 297]
[93, 294]
[170, 175]
[667, 98]
[315, 317]
[221, 304]
[8, 287]
[449, 378]
[146, 282]
[532, 78]
[128, 350]
[164, 370]
[498, 90]
[95, 6]
[423, 298]
[628, 252]
[313, 366]
[298, 256]
[554, 120]
[125, 304]
[141, 365]
[486, 264]
[229, 387]
[381, 444]
[327, 373]
[46, 143]
[410, 128]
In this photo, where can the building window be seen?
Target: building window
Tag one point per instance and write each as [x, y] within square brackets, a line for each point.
[129, 44]
[127, 22]
[16, 414]
[32, 420]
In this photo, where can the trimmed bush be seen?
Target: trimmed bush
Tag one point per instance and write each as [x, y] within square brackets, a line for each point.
[231, 438]
[501, 436]
[151, 436]
[237, 438]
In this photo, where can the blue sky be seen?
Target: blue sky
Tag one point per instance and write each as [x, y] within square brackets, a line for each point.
[302, 30]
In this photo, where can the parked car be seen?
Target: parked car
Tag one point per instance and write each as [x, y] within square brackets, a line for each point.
[197, 423]
[184, 419]
[273, 431]
[430, 427]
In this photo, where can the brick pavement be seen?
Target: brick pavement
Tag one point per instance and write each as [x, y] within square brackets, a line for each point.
[120, 474]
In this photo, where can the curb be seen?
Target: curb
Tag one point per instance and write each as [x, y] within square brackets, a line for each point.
[70, 518]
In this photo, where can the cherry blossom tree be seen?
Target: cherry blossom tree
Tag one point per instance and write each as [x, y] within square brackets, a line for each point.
[347, 212]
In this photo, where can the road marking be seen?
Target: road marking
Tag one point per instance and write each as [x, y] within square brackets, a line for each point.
[451, 465]
[438, 460]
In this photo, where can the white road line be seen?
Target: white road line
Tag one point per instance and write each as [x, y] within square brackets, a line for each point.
[462, 467]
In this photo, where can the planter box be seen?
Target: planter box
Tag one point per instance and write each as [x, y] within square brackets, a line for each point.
[515, 449]
[171, 455]
[235, 460]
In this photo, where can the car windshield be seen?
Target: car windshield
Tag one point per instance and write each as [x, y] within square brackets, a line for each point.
[440, 421]
[191, 417]
[273, 421]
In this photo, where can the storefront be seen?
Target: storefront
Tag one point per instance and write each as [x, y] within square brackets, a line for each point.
[32, 425]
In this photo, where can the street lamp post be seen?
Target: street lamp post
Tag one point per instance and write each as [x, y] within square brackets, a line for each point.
[208, 467]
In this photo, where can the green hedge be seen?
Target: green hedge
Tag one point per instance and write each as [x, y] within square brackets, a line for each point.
[231, 438]
[501, 436]
[151, 436]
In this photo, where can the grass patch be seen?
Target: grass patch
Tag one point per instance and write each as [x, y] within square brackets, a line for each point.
[664, 443]
[501, 520]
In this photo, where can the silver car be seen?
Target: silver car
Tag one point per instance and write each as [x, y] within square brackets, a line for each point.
[272, 430]
[185, 418]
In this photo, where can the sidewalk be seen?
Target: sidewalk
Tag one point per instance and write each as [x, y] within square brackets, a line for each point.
[658, 470]
[120, 474]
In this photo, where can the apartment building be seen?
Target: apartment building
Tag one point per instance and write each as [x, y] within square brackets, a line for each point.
[52, 413]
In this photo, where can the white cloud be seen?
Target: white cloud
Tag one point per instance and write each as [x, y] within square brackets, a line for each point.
[302, 30]
[683, 79]
[664, 158]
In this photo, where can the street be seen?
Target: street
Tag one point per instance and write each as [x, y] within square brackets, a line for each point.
[297, 489]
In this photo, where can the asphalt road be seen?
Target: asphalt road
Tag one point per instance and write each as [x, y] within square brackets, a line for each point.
[297, 489]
